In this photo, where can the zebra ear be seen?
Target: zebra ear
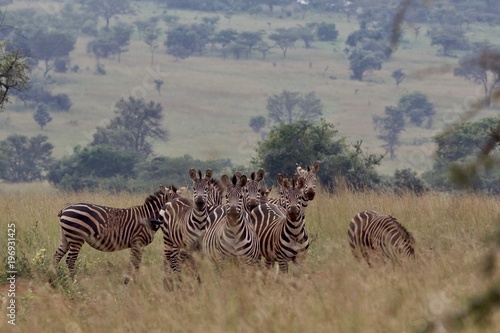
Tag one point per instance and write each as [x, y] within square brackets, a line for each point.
[243, 180]
[225, 180]
[192, 174]
[163, 189]
[208, 174]
[238, 174]
[315, 167]
[260, 175]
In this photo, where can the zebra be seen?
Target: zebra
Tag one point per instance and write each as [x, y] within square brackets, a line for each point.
[281, 229]
[309, 174]
[252, 190]
[230, 233]
[371, 233]
[111, 229]
[215, 194]
[185, 222]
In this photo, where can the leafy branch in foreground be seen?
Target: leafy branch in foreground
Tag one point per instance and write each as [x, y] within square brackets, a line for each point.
[479, 308]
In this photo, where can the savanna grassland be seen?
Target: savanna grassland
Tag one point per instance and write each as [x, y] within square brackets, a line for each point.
[208, 101]
[329, 292]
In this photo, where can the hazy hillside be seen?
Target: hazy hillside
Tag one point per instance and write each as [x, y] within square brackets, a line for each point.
[208, 101]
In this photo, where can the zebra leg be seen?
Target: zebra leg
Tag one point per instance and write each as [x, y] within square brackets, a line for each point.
[135, 261]
[283, 265]
[74, 250]
[61, 250]
[171, 266]
[268, 264]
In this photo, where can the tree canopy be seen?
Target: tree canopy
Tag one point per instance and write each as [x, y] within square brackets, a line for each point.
[289, 107]
[136, 126]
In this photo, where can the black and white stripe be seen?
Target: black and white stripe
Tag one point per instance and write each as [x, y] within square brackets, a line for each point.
[185, 222]
[230, 235]
[372, 234]
[281, 228]
[110, 229]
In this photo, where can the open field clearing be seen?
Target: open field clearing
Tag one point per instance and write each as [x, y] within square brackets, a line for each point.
[208, 101]
[328, 292]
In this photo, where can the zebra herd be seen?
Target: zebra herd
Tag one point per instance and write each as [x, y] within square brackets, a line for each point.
[228, 220]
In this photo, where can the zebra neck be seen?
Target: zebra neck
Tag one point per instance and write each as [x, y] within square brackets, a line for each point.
[294, 229]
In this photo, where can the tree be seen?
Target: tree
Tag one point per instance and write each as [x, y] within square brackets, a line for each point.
[305, 34]
[391, 125]
[302, 142]
[407, 181]
[107, 9]
[327, 32]
[284, 38]
[150, 37]
[42, 115]
[399, 76]
[257, 123]
[121, 35]
[13, 73]
[361, 61]
[225, 37]
[249, 39]
[450, 39]
[482, 67]
[25, 159]
[455, 148]
[50, 45]
[136, 125]
[417, 107]
[289, 107]
[90, 167]
[185, 40]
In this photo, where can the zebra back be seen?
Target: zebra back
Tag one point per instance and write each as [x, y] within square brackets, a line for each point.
[372, 233]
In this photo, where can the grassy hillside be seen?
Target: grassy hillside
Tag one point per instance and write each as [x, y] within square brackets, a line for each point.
[209, 101]
[329, 292]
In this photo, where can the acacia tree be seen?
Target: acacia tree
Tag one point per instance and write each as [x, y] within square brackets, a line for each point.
[51, 45]
[150, 37]
[107, 9]
[482, 67]
[391, 125]
[289, 107]
[284, 38]
[134, 128]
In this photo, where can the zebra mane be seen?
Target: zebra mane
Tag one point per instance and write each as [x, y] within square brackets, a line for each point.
[404, 232]
[157, 195]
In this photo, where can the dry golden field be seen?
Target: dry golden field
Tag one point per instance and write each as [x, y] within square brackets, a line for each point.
[329, 292]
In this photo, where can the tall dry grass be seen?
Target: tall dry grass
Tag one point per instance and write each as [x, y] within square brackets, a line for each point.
[328, 292]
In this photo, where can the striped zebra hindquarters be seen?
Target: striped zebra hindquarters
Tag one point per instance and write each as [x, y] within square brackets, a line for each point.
[184, 225]
[110, 229]
[230, 235]
[281, 228]
[377, 237]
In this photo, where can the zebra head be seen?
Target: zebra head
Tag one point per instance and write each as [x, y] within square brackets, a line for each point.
[252, 190]
[309, 175]
[201, 186]
[234, 196]
[291, 196]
